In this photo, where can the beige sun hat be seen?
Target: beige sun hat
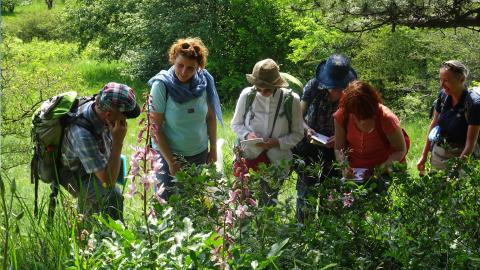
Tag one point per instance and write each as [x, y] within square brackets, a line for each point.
[266, 74]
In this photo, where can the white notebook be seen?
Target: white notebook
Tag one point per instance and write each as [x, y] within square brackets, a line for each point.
[318, 138]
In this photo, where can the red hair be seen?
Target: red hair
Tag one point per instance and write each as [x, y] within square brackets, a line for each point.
[361, 99]
[192, 48]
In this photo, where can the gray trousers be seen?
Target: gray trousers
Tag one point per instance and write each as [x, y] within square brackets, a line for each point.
[92, 196]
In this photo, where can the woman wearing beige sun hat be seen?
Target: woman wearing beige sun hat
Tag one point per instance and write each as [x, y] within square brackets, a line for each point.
[269, 112]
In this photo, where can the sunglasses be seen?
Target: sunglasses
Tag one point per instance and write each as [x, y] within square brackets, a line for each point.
[186, 46]
[452, 67]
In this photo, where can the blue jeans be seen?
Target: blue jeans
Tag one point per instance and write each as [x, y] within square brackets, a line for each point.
[164, 175]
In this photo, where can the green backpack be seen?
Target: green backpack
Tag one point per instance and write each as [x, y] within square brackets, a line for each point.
[48, 124]
[287, 105]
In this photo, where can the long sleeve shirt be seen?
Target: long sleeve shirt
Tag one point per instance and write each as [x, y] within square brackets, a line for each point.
[259, 119]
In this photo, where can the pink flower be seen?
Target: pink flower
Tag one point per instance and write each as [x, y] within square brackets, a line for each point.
[148, 180]
[242, 212]
[252, 202]
[140, 135]
[232, 196]
[157, 165]
[229, 218]
[132, 189]
[152, 155]
[159, 193]
[347, 199]
[330, 197]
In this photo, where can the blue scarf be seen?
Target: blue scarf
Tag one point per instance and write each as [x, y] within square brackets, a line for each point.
[181, 93]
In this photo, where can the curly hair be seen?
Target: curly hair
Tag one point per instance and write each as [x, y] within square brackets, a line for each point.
[192, 48]
[361, 99]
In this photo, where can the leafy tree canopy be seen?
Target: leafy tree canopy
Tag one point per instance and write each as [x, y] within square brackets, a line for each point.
[364, 15]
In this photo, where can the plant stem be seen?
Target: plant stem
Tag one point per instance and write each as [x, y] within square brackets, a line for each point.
[7, 229]
[147, 147]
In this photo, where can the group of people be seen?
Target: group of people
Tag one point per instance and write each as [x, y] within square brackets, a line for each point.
[359, 131]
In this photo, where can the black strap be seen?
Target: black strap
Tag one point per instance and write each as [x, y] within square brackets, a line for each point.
[276, 112]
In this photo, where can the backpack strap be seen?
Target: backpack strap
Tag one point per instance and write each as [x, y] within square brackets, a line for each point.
[249, 101]
[288, 108]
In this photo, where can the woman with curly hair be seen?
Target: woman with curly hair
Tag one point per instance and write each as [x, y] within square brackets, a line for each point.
[184, 110]
[367, 133]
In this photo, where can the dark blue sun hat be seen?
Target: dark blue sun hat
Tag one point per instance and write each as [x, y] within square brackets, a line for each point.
[335, 73]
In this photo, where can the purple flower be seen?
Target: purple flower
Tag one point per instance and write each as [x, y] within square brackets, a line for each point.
[232, 196]
[229, 218]
[242, 212]
[330, 197]
[252, 202]
[132, 189]
[159, 193]
[347, 199]
[148, 179]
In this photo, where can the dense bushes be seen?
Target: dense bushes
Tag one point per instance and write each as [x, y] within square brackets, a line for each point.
[420, 223]
[237, 33]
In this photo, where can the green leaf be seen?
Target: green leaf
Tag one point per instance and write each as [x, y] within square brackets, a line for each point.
[117, 228]
[276, 249]
[13, 186]
[19, 216]
[2, 187]
[329, 266]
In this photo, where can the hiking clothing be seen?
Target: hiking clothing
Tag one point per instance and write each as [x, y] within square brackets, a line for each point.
[367, 150]
[83, 154]
[185, 125]
[259, 119]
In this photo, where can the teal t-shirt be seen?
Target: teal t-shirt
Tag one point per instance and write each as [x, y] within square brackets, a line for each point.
[184, 125]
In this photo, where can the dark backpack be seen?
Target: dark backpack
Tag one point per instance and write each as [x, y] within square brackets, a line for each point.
[48, 124]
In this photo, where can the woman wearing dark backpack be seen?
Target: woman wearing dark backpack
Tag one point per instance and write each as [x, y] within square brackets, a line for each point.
[368, 135]
[454, 129]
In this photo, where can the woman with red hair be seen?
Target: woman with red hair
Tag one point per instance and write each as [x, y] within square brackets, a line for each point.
[367, 133]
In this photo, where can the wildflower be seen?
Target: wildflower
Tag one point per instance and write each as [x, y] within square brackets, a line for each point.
[252, 202]
[330, 197]
[242, 212]
[159, 192]
[132, 189]
[148, 179]
[157, 166]
[232, 196]
[347, 199]
[229, 218]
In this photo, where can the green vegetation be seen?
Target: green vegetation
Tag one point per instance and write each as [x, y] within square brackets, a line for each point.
[422, 223]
